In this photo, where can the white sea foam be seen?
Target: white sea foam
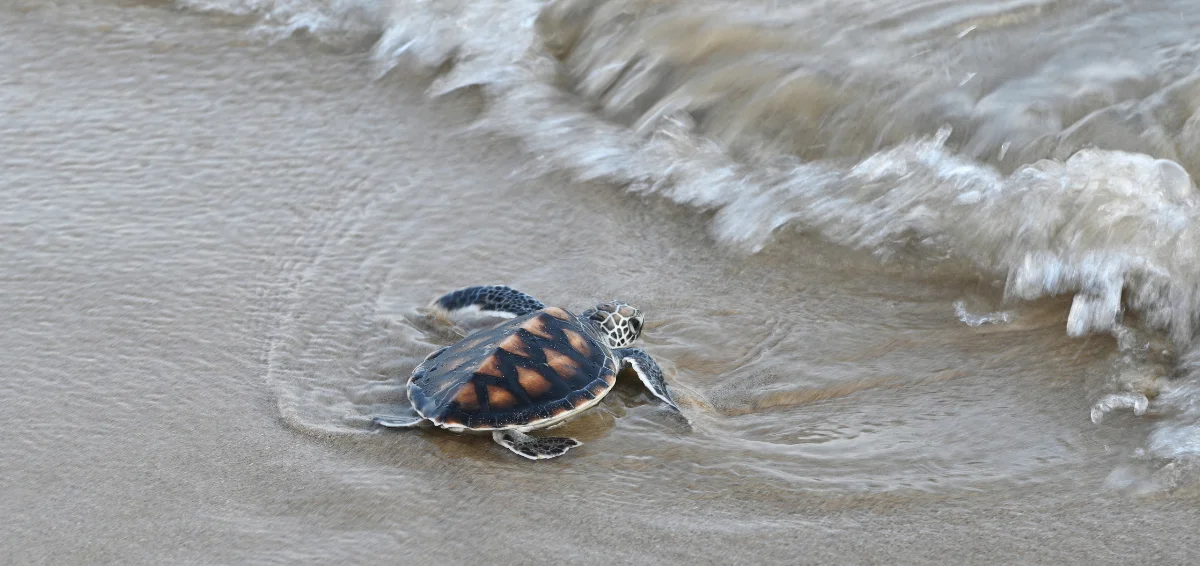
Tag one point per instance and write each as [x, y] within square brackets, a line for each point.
[1117, 230]
[972, 319]
[336, 22]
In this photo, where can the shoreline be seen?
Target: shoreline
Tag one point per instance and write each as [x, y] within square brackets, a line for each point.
[224, 228]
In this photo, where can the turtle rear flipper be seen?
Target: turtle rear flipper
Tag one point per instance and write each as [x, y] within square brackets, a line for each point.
[406, 419]
[533, 447]
[398, 421]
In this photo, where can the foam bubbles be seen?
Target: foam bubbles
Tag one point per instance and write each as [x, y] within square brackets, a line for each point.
[337, 22]
[972, 319]
[1136, 401]
[760, 123]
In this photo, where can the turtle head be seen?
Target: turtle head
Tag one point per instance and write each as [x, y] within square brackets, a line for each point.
[619, 324]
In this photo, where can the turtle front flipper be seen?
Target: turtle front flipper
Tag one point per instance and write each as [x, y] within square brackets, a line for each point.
[496, 300]
[648, 371]
[534, 447]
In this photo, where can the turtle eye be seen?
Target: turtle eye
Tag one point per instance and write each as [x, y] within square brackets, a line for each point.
[636, 325]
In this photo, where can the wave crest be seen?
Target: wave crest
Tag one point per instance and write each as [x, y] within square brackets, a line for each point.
[773, 120]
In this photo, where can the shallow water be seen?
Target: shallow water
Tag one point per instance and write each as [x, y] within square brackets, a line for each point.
[892, 326]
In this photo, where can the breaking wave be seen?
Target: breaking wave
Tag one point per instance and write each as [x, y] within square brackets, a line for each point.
[1063, 169]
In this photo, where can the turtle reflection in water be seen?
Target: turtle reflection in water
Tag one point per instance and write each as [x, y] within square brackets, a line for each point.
[532, 372]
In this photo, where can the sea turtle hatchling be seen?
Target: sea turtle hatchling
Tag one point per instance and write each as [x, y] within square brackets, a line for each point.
[532, 372]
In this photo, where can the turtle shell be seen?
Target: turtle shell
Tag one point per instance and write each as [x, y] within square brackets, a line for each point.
[531, 370]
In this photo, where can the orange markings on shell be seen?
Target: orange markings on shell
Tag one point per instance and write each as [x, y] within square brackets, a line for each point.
[532, 382]
[440, 388]
[514, 344]
[499, 397]
[536, 326]
[580, 400]
[560, 363]
[578, 342]
[453, 364]
[557, 313]
[609, 370]
[471, 343]
[466, 397]
[490, 366]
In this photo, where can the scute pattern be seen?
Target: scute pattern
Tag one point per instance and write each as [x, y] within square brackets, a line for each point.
[531, 368]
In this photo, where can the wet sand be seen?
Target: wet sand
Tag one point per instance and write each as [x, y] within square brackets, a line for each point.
[215, 253]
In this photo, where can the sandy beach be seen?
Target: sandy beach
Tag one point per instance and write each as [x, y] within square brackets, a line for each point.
[217, 249]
